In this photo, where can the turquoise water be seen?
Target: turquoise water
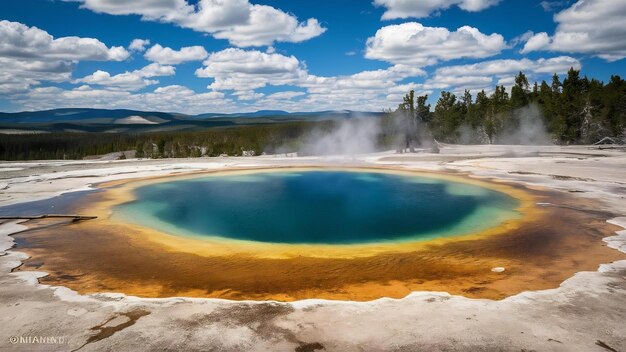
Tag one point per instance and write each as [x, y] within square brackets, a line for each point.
[318, 207]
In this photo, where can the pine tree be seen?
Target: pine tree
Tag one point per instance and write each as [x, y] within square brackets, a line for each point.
[422, 109]
[572, 103]
[520, 91]
[446, 118]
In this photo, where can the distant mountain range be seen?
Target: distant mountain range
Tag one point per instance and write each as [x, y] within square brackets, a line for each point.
[266, 113]
[121, 120]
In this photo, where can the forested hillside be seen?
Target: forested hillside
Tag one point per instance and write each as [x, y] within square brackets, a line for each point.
[178, 144]
[574, 111]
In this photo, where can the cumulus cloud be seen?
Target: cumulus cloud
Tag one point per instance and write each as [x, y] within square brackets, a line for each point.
[412, 43]
[156, 69]
[19, 75]
[238, 21]
[267, 25]
[536, 42]
[364, 91]
[168, 56]
[125, 81]
[248, 95]
[20, 41]
[593, 27]
[29, 55]
[366, 80]
[139, 45]
[423, 8]
[245, 70]
[235, 75]
[134, 80]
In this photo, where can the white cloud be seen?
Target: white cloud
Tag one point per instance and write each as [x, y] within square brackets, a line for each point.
[233, 69]
[536, 42]
[560, 64]
[593, 27]
[19, 75]
[363, 91]
[156, 69]
[285, 95]
[246, 70]
[413, 44]
[267, 25]
[508, 81]
[505, 66]
[248, 95]
[423, 8]
[238, 21]
[238, 71]
[52, 70]
[168, 56]
[20, 41]
[125, 81]
[139, 45]
[365, 80]
[29, 56]
[169, 98]
[129, 80]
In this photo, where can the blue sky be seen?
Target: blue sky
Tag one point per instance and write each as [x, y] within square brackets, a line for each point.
[241, 55]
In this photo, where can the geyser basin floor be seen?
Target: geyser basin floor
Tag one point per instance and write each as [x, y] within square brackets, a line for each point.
[539, 250]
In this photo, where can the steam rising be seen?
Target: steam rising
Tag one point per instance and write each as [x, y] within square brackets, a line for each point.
[523, 126]
[528, 128]
[357, 135]
[366, 134]
[408, 132]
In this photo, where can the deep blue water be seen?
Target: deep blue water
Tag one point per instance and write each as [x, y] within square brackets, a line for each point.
[331, 207]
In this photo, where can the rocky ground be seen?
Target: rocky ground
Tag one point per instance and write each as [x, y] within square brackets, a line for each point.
[586, 313]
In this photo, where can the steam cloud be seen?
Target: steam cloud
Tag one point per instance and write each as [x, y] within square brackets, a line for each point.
[524, 126]
[530, 128]
[357, 135]
[362, 134]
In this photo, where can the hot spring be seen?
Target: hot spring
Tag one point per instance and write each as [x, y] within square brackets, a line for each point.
[333, 207]
[288, 234]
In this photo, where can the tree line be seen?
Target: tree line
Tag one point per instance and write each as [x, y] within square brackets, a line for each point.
[573, 111]
[232, 141]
